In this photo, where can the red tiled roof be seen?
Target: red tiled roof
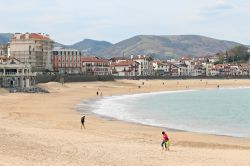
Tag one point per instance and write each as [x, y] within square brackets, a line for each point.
[34, 36]
[124, 63]
[93, 59]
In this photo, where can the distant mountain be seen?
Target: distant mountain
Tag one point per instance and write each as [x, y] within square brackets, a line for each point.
[160, 47]
[5, 37]
[56, 44]
[165, 47]
[91, 46]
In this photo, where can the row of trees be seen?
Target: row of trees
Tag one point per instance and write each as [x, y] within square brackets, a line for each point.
[236, 54]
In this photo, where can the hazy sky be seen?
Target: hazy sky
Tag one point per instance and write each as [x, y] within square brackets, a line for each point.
[69, 21]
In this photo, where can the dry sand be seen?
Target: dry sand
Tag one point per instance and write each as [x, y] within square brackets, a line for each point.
[44, 129]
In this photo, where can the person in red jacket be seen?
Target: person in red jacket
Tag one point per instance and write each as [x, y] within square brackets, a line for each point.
[165, 141]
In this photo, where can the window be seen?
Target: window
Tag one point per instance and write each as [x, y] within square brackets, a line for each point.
[55, 52]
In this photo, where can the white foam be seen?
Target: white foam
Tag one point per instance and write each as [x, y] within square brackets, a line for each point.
[115, 107]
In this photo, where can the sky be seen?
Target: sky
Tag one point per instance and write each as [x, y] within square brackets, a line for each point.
[70, 21]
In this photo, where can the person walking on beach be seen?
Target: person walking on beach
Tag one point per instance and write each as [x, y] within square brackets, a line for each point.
[97, 93]
[83, 121]
[165, 141]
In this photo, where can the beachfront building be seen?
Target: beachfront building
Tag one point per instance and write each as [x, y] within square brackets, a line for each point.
[95, 66]
[14, 73]
[245, 69]
[66, 61]
[34, 49]
[208, 68]
[189, 64]
[174, 70]
[182, 69]
[128, 68]
[198, 70]
[146, 65]
[161, 68]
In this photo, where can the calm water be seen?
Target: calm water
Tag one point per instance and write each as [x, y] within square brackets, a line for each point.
[218, 111]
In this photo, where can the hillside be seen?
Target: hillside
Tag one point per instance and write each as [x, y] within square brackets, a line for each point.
[5, 37]
[164, 47]
[160, 47]
[91, 46]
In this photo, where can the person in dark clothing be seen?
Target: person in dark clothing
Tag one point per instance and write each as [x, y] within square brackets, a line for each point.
[83, 121]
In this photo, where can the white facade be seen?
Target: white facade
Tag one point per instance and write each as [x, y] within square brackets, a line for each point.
[146, 65]
[13, 73]
[161, 68]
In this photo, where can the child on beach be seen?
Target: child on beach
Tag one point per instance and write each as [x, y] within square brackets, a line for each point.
[165, 141]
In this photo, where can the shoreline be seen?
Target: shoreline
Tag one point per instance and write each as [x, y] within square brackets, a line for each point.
[89, 104]
[48, 127]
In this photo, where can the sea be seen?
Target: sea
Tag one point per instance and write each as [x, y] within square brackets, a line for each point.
[222, 111]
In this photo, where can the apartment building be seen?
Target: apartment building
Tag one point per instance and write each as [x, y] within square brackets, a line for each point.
[66, 61]
[95, 66]
[125, 68]
[161, 68]
[34, 49]
[146, 65]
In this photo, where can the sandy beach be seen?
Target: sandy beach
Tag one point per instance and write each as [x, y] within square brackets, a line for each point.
[44, 129]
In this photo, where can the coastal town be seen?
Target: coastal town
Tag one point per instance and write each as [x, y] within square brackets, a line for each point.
[29, 54]
[124, 83]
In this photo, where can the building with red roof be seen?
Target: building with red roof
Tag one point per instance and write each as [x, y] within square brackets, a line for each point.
[125, 68]
[34, 49]
[95, 66]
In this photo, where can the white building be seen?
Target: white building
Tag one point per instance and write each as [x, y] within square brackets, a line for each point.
[13, 73]
[146, 65]
[161, 68]
[125, 68]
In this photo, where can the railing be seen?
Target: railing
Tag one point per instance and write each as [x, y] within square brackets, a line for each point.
[16, 74]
